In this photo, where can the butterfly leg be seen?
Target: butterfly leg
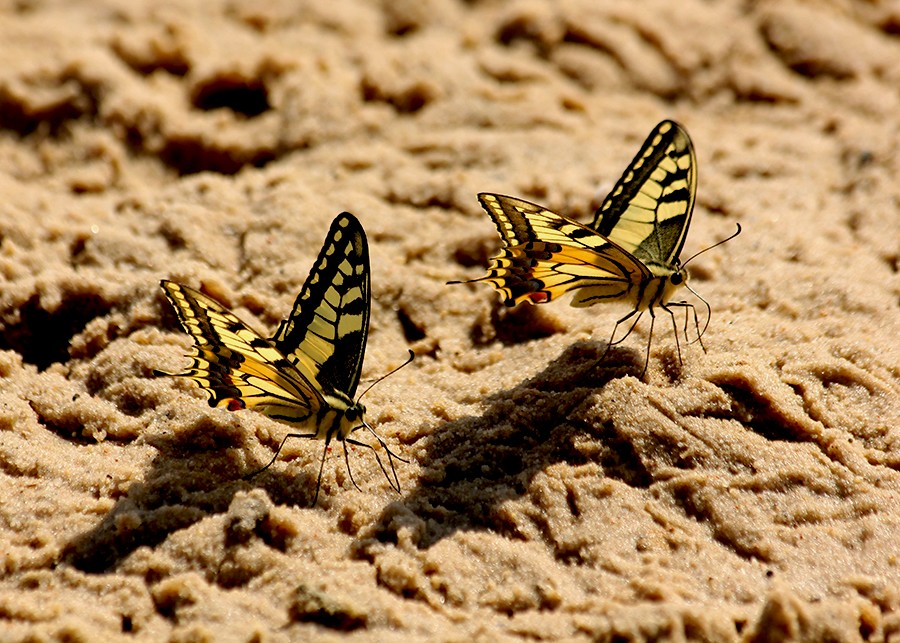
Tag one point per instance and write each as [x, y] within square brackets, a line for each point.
[708, 312]
[612, 337]
[391, 455]
[321, 469]
[686, 305]
[668, 309]
[612, 343]
[347, 462]
[650, 342]
[697, 324]
[630, 328]
[384, 445]
[277, 451]
[378, 460]
[395, 484]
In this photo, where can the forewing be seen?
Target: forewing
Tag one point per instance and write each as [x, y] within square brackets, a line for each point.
[649, 210]
[234, 365]
[325, 334]
[546, 255]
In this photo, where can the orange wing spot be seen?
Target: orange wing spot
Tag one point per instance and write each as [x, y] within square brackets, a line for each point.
[539, 297]
[235, 404]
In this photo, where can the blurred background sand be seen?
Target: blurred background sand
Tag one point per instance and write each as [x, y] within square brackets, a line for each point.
[750, 493]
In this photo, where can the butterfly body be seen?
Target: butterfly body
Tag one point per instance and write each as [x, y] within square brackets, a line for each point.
[306, 375]
[629, 254]
[646, 294]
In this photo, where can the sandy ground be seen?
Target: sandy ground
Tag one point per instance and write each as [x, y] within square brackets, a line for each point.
[751, 493]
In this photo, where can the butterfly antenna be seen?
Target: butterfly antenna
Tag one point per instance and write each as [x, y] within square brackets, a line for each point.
[708, 314]
[715, 245]
[411, 357]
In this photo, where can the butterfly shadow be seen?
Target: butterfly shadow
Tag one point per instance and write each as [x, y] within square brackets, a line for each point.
[196, 473]
[471, 466]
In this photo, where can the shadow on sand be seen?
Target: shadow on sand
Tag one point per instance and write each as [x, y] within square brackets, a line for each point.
[474, 464]
[195, 473]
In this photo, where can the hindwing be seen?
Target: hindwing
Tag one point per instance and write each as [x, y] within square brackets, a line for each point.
[234, 365]
[546, 255]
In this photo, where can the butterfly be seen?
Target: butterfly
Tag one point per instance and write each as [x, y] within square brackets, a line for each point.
[305, 375]
[628, 254]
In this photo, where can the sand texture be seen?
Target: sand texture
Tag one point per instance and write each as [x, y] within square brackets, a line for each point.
[750, 492]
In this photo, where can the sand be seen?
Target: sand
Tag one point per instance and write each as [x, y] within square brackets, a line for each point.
[749, 492]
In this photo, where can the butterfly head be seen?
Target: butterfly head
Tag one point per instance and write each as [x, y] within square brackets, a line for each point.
[678, 278]
[355, 416]
[349, 415]
[670, 282]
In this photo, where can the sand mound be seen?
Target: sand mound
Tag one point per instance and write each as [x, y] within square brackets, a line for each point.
[752, 491]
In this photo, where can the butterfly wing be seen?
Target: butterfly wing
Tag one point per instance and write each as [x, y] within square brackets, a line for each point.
[325, 334]
[546, 255]
[649, 210]
[234, 365]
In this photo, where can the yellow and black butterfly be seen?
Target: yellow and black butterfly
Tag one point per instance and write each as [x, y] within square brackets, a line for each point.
[307, 374]
[628, 254]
